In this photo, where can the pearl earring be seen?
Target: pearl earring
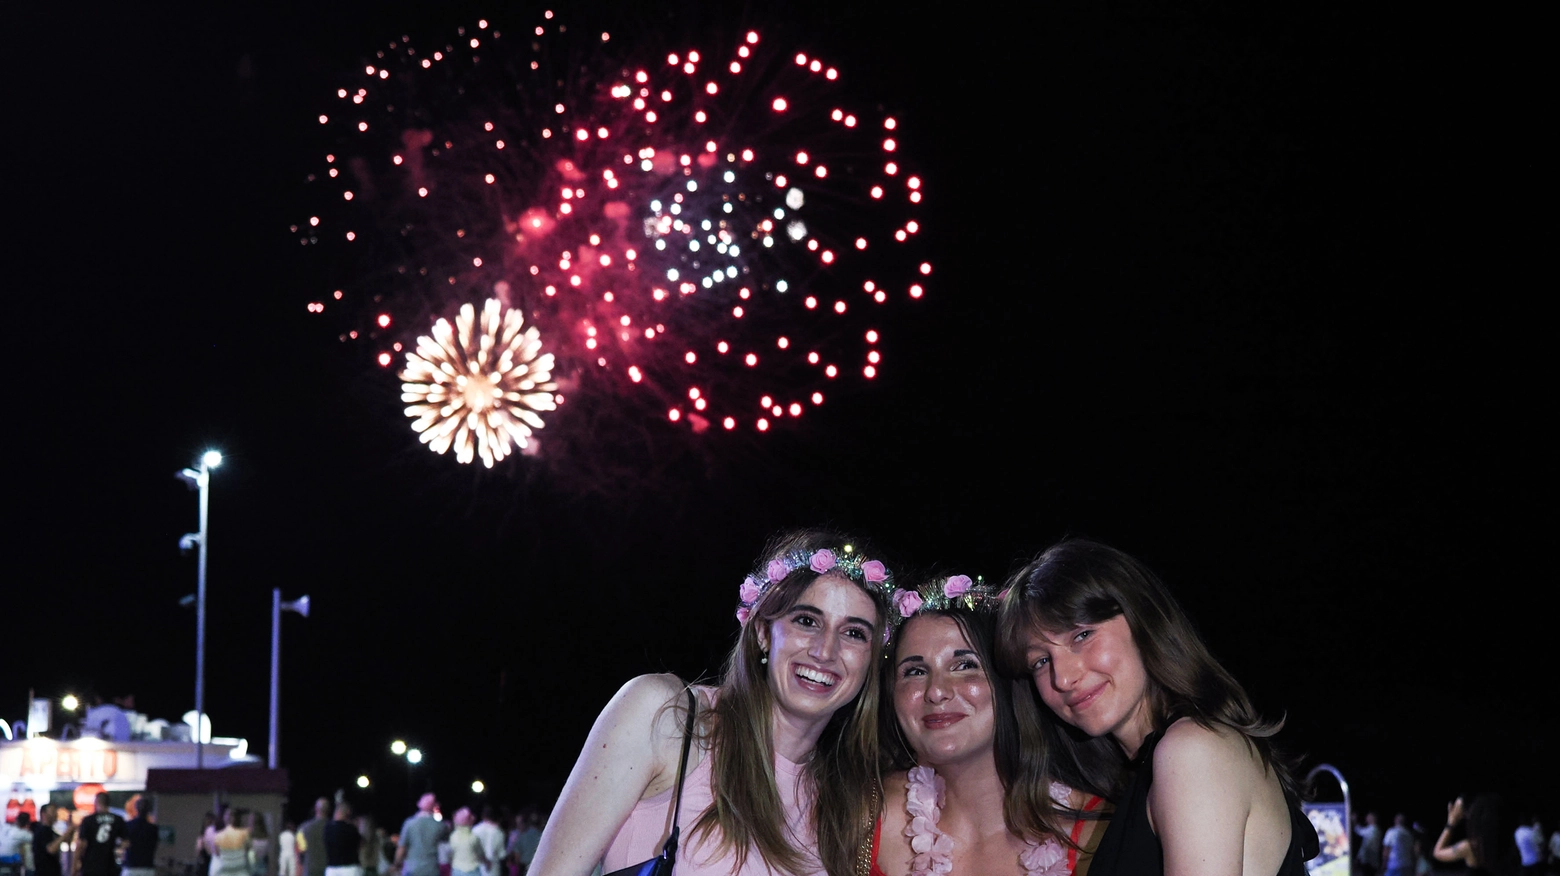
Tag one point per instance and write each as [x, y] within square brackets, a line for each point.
[764, 659]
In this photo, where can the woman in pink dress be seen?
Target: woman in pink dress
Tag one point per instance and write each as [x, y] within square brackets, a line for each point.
[968, 795]
[782, 770]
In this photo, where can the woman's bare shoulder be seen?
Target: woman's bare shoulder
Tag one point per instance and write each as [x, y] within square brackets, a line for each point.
[1187, 740]
[654, 701]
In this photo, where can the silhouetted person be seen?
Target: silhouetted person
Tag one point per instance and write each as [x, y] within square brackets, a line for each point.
[141, 834]
[100, 835]
[343, 844]
[46, 842]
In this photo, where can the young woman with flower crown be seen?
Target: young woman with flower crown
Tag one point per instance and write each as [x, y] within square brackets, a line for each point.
[782, 772]
[1203, 790]
[967, 795]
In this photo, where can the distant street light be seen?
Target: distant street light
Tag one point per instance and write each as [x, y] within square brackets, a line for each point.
[398, 748]
[69, 702]
[200, 479]
[362, 781]
[414, 756]
[301, 606]
[477, 787]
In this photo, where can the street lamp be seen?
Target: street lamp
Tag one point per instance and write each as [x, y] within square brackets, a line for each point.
[477, 787]
[362, 781]
[301, 606]
[199, 478]
[412, 756]
[69, 702]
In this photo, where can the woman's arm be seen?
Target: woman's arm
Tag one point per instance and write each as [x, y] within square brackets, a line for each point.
[633, 747]
[1200, 800]
[1445, 850]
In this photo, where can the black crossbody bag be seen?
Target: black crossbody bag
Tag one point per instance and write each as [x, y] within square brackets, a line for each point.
[661, 865]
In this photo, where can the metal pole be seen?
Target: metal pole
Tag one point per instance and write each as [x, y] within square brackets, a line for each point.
[1348, 801]
[200, 622]
[276, 671]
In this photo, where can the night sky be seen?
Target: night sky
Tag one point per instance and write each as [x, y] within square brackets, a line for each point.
[1253, 298]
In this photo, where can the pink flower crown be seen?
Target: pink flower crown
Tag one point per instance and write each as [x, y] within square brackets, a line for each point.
[941, 594]
[846, 562]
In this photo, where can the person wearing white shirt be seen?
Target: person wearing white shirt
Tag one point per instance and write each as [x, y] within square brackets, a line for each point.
[1530, 845]
[287, 851]
[1368, 858]
[1398, 848]
[14, 838]
[490, 837]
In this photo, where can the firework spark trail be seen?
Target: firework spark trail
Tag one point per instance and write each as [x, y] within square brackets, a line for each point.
[713, 237]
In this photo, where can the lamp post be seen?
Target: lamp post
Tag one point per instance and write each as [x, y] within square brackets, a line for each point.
[301, 606]
[200, 478]
[412, 756]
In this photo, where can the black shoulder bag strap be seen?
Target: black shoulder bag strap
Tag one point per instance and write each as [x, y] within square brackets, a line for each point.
[669, 851]
[661, 865]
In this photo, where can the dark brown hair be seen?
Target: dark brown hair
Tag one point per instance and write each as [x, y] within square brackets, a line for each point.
[1017, 747]
[746, 811]
[1077, 582]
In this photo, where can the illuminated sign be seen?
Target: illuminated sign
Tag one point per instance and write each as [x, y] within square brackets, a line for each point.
[44, 764]
[69, 764]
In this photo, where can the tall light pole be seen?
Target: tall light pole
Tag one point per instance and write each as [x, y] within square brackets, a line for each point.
[200, 478]
[301, 606]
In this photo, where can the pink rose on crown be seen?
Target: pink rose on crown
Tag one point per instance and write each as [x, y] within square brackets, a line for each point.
[822, 561]
[908, 602]
[957, 586]
[743, 614]
[874, 571]
[749, 591]
[776, 570]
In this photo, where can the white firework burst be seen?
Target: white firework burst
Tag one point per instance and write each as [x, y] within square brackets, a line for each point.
[480, 385]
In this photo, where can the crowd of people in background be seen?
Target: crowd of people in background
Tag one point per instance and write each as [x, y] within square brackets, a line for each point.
[475, 841]
[336, 841]
[102, 842]
[1479, 836]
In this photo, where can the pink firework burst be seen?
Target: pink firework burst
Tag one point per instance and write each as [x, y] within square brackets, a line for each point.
[714, 235]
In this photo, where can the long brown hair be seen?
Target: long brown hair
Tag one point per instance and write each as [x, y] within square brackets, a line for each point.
[746, 812]
[1078, 582]
[1019, 750]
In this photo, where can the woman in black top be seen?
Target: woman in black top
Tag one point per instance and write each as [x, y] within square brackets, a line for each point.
[1202, 792]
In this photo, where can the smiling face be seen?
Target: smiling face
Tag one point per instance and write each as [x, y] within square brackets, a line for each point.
[820, 650]
[1092, 677]
[942, 697]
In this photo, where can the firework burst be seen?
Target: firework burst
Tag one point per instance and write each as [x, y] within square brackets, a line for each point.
[479, 386]
[709, 240]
